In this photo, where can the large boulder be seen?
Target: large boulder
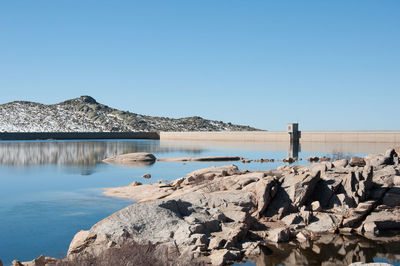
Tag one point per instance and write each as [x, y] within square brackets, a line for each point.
[357, 161]
[132, 159]
[181, 221]
[296, 190]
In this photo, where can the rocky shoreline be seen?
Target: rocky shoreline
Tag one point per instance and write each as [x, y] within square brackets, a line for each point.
[221, 215]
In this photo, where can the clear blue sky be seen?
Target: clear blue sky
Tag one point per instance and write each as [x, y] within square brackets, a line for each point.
[329, 65]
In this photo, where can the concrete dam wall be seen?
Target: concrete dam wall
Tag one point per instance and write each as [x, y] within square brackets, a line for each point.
[283, 136]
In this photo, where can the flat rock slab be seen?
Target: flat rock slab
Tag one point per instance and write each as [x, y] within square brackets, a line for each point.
[201, 159]
[144, 192]
[132, 159]
[214, 170]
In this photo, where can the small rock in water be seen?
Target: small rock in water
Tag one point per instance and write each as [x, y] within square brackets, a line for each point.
[324, 159]
[135, 183]
[288, 160]
[147, 176]
[313, 159]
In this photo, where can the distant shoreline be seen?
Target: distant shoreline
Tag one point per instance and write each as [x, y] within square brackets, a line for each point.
[77, 135]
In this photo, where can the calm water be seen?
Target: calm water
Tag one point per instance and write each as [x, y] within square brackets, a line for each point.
[330, 250]
[49, 190]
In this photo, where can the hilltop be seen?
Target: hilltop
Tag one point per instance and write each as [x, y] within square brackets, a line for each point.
[85, 114]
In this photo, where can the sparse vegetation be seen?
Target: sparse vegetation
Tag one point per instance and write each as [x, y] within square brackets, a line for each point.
[84, 114]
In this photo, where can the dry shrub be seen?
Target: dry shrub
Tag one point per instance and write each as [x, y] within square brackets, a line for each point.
[338, 155]
[133, 254]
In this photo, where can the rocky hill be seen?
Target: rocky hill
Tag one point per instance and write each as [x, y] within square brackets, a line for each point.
[85, 114]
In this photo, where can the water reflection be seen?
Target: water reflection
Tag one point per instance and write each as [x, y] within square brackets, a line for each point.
[332, 250]
[80, 153]
[89, 153]
[293, 151]
[304, 147]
